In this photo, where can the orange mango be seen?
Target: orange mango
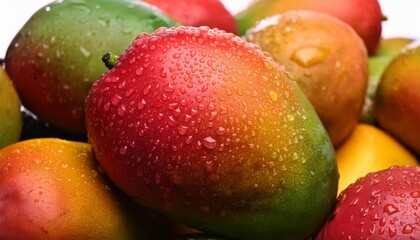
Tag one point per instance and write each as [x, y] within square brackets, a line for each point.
[369, 149]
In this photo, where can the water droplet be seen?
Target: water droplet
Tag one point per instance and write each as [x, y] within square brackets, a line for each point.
[141, 104]
[147, 89]
[182, 130]
[374, 217]
[223, 110]
[390, 209]
[139, 71]
[169, 88]
[86, 53]
[176, 55]
[163, 73]
[121, 110]
[408, 229]
[123, 150]
[116, 100]
[309, 56]
[273, 96]
[210, 143]
[295, 156]
[189, 139]
[268, 64]
[220, 130]
[209, 166]
[274, 155]
[129, 92]
[392, 232]
[415, 194]
[193, 53]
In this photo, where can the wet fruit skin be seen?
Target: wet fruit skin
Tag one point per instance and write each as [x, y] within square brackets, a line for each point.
[388, 48]
[381, 205]
[56, 56]
[331, 71]
[52, 189]
[364, 16]
[207, 128]
[10, 116]
[211, 13]
[369, 149]
[398, 98]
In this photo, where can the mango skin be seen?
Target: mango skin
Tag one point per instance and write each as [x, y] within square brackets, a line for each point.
[364, 16]
[52, 189]
[10, 116]
[398, 98]
[56, 56]
[209, 130]
[332, 72]
[369, 149]
[388, 48]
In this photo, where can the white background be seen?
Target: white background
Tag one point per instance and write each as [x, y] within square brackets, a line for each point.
[403, 17]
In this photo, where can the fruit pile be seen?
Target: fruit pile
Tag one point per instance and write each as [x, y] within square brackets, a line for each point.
[130, 119]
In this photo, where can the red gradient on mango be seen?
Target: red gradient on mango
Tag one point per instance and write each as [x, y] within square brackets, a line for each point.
[50, 189]
[201, 124]
[398, 97]
[380, 205]
[211, 13]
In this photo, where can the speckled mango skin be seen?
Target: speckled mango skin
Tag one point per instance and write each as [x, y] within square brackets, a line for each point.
[51, 189]
[208, 129]
[56, 56]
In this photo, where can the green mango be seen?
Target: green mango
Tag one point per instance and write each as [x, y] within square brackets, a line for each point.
[10, 116]
[56, 56]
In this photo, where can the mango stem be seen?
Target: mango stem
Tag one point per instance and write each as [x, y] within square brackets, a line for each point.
[110, 60]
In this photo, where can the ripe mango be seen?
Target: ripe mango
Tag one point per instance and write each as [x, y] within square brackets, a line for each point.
[364, 16]
[326, 58]
[56, 56]
[398, 98]
[52, 189]
[369, 149]
[208, 129]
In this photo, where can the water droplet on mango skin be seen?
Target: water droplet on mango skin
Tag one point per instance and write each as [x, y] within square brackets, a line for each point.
[309, 56]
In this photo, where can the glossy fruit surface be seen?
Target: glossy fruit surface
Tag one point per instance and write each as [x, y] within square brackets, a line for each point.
[211, 13]
[398, 98]
[364, 16]
[56, 56]
[206, 127]
[10, 116]
[381, 205]
[331, 71]
[369, 149]
[387, 50]
[52, 189]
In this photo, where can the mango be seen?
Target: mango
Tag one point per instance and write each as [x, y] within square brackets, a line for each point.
[52, 189]
[326, 58]
[387, 50]
[369, 149]
[398, 98]
[364, 16]
[56, 56]
[207, 129]
[10, 116]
